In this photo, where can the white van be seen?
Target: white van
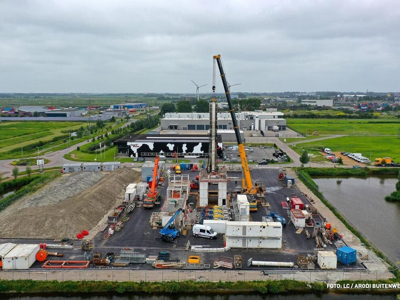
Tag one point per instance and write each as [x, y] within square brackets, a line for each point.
[327, 150]
[204, 231]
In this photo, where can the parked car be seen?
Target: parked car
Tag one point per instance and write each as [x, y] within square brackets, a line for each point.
[344, 153]
[263, 162]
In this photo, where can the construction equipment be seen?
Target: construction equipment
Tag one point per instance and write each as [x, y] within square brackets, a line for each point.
[169, 232]
[87, 245]
[153, 196]
[277, 218]
[383, 161]
[247, 184]
[315, 133]
[98, 259]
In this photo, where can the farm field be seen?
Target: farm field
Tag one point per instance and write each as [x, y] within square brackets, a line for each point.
[18, 134]
[370, 147]
[355, 127]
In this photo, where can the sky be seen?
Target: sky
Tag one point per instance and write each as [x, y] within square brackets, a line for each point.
[158, 46]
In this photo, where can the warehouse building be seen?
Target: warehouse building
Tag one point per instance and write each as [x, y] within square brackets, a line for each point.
[32, 111]
[66, 113]
[166, 145]
[318, 102]
[246, 120]
[127, 106]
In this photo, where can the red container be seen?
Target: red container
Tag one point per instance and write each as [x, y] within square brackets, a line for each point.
[85, 232]
[296, 203]
[80, 236]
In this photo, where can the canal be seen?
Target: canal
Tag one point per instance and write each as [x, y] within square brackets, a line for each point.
[361, 200]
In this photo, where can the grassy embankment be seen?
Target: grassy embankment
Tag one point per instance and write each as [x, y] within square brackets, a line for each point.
[306, 174]
[372, 138]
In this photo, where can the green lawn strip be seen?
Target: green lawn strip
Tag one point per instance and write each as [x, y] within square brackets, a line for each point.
[370, 147]
[28, 162]
[305, 175]
[356, 127]
[54, 128]
[77, 155]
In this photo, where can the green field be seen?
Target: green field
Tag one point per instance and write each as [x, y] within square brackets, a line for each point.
[17, 134]
[372, 138]
[346, 127]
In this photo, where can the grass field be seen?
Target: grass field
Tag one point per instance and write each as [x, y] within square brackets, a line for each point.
[347, 127]
[17, 134]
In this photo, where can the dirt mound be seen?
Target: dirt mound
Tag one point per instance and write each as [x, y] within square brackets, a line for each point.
[70, 216]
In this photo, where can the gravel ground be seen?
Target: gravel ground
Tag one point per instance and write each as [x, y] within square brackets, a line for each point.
[75, 209]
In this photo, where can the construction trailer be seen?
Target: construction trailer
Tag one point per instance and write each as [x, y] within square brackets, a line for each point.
[262, 235]
[4, 250]
[243, 207]
[71, 168]
[21, 257]
[219, 226]
[91, 167]
[110, 166]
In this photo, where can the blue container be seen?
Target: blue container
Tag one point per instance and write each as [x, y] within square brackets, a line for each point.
[289, 178]
[346, 255]
[149, 178]
[183, 166]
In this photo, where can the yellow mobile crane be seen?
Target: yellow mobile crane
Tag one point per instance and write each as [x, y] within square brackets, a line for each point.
[247, 184]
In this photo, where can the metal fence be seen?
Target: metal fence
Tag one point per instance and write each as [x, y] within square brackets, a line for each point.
[328, 276]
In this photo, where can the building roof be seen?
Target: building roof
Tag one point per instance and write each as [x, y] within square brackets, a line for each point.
[6, 248]
[22, 250]
[33, 109]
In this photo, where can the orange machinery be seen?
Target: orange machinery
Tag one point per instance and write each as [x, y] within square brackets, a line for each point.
[153, 196]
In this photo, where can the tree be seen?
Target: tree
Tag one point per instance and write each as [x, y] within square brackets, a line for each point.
[167, 107]
[183, 106]
[112, 119]
[304, 158]
[100, 123]
[28, 171]
[340, 161]
[15, 172]
[202, 106]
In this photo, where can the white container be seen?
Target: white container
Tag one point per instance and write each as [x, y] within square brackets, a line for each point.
[203, 189]
[218, 226]
[254, 229]
[298, 218]
[5, 249]
[21, 257]
[327, 260]
[130, 194]
[253, 242]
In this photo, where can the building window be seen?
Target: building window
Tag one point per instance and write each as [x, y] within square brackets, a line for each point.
[200, 127]
[207, 127]
[191, 127]
[224, 127]
[173, 127]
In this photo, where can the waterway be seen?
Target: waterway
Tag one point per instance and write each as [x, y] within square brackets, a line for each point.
[8, 192]
[329, 296]
[362, 202]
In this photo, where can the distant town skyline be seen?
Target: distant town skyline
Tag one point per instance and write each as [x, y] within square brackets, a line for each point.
[161, 46]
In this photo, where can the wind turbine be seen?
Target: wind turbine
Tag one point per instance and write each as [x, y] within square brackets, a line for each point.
[197, 89]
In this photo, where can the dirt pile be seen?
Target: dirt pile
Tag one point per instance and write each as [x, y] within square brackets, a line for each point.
[66, 217]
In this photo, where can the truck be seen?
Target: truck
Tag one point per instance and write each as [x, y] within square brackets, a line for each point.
[169, 232]
[153, 196]
[385, 161]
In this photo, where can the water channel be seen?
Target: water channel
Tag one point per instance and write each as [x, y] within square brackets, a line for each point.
[361, 201]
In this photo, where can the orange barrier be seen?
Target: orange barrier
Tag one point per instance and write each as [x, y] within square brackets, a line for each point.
[66, 264]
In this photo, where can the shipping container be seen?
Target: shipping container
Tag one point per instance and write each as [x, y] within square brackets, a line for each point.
[91, 167]
[21, 257]
[110, 166]
[327, 260]
[346, 255]
[254, 229]
[72, 168]
[4, 250]
[218, 226]
[296, 203]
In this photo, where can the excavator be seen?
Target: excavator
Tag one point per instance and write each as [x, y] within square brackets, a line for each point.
[153, 196]
[248, 187]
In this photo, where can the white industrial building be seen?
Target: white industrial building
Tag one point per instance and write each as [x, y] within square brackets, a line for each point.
[318, 102]
[255, 120]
